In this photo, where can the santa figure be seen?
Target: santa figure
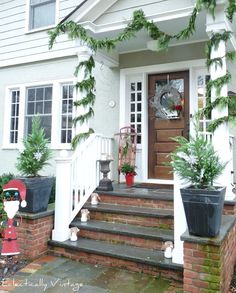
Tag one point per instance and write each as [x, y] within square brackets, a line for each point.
[13, 192]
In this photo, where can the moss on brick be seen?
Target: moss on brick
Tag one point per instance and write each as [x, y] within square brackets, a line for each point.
[212, 279]
[211, 263]
[211, 270]
[209, 248]
[215, 286]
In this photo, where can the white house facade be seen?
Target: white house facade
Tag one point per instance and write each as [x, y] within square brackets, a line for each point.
[36, 80]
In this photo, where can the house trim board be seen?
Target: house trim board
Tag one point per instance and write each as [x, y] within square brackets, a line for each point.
[144, 71]
[159, 17]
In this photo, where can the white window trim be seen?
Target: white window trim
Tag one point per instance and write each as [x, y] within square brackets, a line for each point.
[56, 113]
[134, 78]
[27, 19]
[60, 110]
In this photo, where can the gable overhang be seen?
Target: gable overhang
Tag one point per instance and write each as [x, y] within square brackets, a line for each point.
[89, 9]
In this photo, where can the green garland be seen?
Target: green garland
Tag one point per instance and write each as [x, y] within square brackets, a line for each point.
[231, 9]
[137, 23]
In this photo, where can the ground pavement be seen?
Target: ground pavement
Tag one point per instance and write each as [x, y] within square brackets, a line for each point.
[53, 274]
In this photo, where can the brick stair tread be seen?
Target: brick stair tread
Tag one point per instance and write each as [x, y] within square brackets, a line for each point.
[126, 229]
[121, 251]
[131, 210]
[143, 193]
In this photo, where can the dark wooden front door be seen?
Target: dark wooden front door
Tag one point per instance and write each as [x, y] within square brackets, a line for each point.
[162, 129]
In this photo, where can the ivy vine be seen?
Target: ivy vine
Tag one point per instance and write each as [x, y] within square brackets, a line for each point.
[137, 23]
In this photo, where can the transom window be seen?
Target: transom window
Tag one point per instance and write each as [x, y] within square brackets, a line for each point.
[136, 108]
[39, 102]
[42, 13]
[66, 113]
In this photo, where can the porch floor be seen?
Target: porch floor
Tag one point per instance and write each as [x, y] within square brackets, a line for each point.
[59, 275]
[142, 191]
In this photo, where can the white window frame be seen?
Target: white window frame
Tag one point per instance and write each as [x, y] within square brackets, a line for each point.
[135, 79]
[56, 113]
[61, 94]
[27, 19]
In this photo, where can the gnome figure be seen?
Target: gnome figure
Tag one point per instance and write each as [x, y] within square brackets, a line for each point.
[14, 192]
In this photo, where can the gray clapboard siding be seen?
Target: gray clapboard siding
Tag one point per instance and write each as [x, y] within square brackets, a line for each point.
[15, 43]
[123, 9]
[67, 6]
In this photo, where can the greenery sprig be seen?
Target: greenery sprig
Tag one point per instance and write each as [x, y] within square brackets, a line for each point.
[231, 9]
[137, 23]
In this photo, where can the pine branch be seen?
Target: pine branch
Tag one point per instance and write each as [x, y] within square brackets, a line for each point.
[84, 118]
[88, 100]
[231, 9]
[88, 65]
[218, 84]
[86, 84]
[80, 137]
[216, 123]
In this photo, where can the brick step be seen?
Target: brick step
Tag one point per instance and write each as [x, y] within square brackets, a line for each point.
[143, 197]
[119, 255]
[145, 237]
[147, 217]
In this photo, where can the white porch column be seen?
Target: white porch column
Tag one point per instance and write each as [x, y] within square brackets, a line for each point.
[83, 53]
[180, 224]
[61, 231]
[221, 139]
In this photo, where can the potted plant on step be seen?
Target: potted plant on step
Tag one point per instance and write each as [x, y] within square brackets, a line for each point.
[30, 162]
[129, 171]
[197, 163]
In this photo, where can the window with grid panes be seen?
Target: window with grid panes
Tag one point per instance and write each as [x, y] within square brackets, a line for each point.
[136, 108]
[14, 120]
[39, 102]
[201, 93]
[66, 113]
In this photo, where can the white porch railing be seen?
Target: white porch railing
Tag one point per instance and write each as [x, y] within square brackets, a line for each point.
[77, 177]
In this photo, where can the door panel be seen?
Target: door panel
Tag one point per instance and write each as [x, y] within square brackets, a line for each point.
[167, 134]
[161, 130]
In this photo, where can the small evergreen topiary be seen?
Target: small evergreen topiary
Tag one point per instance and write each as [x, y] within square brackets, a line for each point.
[36, 152]
[196, 161]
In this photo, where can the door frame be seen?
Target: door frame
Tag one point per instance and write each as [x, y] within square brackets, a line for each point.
[192, 66]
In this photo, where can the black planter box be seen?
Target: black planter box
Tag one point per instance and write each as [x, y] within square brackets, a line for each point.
[203, 209]
[38, 190]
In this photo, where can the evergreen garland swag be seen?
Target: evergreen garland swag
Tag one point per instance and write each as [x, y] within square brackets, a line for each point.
[137, 23]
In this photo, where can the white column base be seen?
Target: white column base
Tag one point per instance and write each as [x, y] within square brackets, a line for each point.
[229, 195]
[180, 224]
[60, 235]
[178, 253]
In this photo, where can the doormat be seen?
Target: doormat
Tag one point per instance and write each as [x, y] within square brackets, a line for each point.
[153, 186]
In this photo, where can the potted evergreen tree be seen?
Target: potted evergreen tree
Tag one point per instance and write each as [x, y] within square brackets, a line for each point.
[197, 163]
[129, 171]
[30, 162]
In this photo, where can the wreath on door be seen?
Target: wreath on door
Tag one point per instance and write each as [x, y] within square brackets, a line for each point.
[167, 103]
